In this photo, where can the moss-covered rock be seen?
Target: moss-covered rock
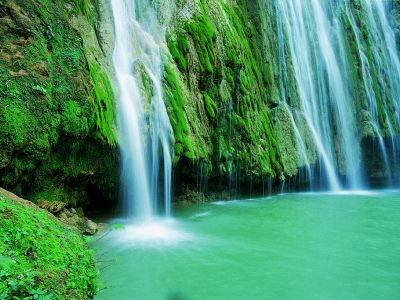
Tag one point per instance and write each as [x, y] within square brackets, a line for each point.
[40, 258]
[57, 116]
[226, 93]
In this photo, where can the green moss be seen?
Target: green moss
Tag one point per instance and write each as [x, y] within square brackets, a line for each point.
[145, 84]
[40, 258]
[85, 7]
[16, 121]
[176, 112]
[73, 121]
[250, 119]
[56, 105]
[232, 88]
[179, 49]
[244, 83]
[178, 151]
[190, 155]
[203, 33]
[210, 105]
[104, 105]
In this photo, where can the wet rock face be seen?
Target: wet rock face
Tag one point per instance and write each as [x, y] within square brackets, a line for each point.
[381, 168]
[69, 216]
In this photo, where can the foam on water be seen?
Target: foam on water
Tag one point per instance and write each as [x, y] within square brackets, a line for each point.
[227, 202]
[158, 232]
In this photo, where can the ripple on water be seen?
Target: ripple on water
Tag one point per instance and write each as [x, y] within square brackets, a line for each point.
[200, 215]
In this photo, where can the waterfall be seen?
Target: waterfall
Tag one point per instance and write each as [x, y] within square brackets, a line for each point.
[385, 56]
[314, 33]
[302, 152]
[145, 133]
[346, 68]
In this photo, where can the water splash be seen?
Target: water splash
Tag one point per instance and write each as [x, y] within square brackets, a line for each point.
[159, 232]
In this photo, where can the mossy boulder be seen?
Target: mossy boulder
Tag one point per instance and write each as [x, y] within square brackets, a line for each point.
[57, 115]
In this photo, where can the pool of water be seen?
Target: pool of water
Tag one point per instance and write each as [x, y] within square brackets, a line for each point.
[302, 246]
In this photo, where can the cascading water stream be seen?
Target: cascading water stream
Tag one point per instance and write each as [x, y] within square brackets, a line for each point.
[302, 152]
[314, 34]
[385, 54]
[145, 132]
[368, 81]
[297, 19]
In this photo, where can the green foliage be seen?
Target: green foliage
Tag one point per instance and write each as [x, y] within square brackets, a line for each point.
[40, 258]
[250, 118]
[16, 122]
[202, 32]
[39, 89]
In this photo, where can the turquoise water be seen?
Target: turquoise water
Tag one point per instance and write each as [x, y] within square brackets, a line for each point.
[294, 246]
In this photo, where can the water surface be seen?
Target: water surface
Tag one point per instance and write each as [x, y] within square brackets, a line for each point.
[307, 246]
